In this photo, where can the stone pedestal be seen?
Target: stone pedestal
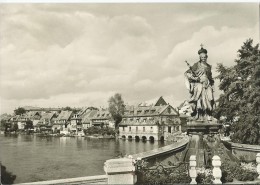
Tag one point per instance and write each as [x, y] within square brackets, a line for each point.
[203, 126]
[120, 171]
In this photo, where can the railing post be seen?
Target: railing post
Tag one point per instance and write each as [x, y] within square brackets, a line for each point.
[216, 163]
[258, 164]
[192, 171]
[120, 171]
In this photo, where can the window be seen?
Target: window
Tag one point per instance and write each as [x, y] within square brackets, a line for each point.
[146, 111]
[169, 129]
[144, 119]
[136, 128]
[129, 128]
[139, 112]
[151, 128]
[123, 128]
[132, 112]
[169, 110]
[143, 129]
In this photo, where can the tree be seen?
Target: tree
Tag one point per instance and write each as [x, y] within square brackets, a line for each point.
[15, 127]
[74, 110]
[240, 100]
[6, 126]
[19, 111]
[6, 176]
[116, 108]
[28, 125]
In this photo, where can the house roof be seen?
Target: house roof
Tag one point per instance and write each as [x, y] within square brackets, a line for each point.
[102, 114]
[5, 117]
[31, 114]
[142, 111]
[47, 115]
[64, 115]
[86, 118]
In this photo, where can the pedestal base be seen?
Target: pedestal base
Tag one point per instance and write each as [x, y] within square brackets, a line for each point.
[203, 127]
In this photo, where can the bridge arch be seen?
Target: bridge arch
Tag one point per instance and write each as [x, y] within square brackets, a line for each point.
[162, 138]
[144, 138]
[123, 137]
[130, 137]
[151, 138]
[137, 138]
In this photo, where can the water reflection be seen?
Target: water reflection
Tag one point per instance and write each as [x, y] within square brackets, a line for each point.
[34, 158]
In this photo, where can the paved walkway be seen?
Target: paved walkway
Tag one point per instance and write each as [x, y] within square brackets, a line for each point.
[175, 147]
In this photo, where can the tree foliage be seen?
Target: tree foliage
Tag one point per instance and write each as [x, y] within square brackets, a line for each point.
[74, 110]
[6, 176]
[28, 125]
[240, 100]
[19, 111]
[116, 108]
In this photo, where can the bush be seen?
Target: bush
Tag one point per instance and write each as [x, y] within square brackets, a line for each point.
[6, 176]
[232, 170]
[98, 130]
[203, 178]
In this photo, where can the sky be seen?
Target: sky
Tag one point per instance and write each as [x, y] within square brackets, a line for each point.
[79, 55]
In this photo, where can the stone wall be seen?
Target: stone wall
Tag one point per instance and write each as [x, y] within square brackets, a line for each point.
[244, 151]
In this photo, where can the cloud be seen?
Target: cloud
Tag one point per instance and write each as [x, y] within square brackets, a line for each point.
[77, 52]
[222, 45]
[80, 54]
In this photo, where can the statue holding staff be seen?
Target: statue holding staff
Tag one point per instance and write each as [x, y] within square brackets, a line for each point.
[199, 81]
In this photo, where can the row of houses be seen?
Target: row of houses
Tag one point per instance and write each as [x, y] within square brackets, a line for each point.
[157, 121]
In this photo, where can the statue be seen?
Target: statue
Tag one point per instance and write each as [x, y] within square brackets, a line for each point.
[198, 80]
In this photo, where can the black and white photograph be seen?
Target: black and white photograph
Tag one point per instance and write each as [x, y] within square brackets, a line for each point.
[130, 92]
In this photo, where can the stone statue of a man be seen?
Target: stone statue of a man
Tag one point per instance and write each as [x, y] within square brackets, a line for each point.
[198, 80]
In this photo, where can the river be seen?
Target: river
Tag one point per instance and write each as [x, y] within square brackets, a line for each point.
[33, 158]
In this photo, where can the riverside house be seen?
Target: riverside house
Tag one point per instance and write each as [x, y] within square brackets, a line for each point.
[46, 121]
[103, 118]
[87, 118]
[34, 116]
[61, 123]
[154, 122]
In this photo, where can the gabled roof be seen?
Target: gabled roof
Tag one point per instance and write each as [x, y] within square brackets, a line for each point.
[64, 115]
[5, 117]
[86, 118]
[102, 114]
[160, 102]
[31, 114]
[143, 111]
[48, 115]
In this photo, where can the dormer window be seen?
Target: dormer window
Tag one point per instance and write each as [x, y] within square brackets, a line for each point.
[139, 112]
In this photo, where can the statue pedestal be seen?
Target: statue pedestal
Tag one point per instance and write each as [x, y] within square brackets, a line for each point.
[199, 130]
[203, 127]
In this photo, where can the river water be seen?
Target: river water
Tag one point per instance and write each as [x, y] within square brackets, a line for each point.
[33, 158]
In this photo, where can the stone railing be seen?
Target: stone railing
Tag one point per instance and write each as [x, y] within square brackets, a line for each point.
[248, 152]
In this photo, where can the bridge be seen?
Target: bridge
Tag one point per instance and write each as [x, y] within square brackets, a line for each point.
[173, 148]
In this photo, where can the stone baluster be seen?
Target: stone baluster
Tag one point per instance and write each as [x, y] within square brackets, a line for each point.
[120, 171]
[258, 164]
[192, 171]
[217, 174]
